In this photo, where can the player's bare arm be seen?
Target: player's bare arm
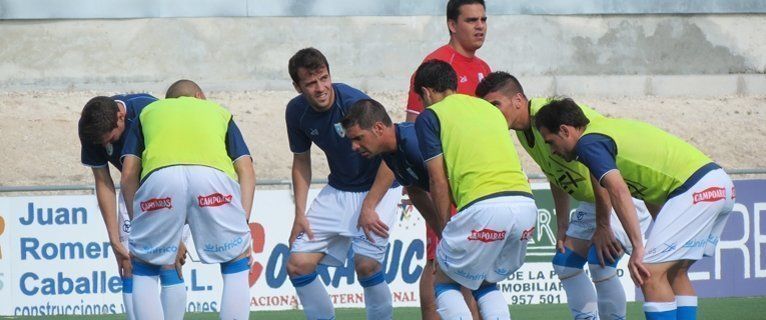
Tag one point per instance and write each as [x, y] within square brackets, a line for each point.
[107, 204]
[561, 204]
[301, 177]
[607, 246]
[131, 170]
[369, 220]
[422, 201]
[440, 193]
[246, 176]
[621, 200]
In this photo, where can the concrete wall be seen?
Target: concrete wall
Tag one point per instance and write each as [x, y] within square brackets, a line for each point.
[587, 54]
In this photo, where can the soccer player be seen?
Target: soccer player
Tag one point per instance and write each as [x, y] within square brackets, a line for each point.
[102, 128]
[189, 156]
[372, 133]
[467, 27]
[471, 159]
[574, 246]
[689, 196]
[355, 209]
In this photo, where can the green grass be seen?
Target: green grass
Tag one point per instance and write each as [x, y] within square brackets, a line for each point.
[728, 308]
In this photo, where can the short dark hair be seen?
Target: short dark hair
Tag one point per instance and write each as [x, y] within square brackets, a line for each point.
[560, 112]
[310, 59]
[436, 75]
[182, 88]
[499, 81]
[98, 117]
[365, 113]
[453, 7]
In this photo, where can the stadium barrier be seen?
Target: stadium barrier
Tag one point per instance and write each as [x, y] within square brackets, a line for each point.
[55, 258]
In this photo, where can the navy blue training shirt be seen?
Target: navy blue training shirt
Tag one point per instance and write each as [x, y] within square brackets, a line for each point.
[429, 134]
[96, 155]
[407, 162]
[349, 171]
[597, 152]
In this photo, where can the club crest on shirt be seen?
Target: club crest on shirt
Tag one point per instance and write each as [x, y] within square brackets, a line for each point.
[486, 235]
[340, 131]
[109, 149]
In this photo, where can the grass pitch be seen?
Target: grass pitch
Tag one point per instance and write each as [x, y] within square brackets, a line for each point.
[724, 308]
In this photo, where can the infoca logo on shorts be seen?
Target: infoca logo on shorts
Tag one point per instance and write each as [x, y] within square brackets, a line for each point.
[487, 235]
[156, 204]
[214, 200]
[711, 194]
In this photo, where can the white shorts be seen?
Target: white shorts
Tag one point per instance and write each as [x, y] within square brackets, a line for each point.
[333, 217]
[487, 241]
[689, 225]
[205, 198]
[582, 224]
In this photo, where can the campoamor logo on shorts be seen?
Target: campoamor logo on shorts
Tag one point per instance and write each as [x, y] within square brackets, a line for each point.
[711, 194]
[487, 235]
[214, 200]
[156, 204]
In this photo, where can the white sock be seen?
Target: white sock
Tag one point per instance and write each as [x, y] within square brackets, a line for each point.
[314, 298]
[611, 295]
[146, 293]
[687, 307]
[450, 303]
[581, 296]
[127, 298]
[377, 297]
[491, 303]
[235, 302]
[173, 295]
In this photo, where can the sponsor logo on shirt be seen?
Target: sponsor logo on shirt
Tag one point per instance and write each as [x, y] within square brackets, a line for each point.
[711, 194]
[733, 194]
[487, 235]
[314, 132]
[481, 76]
[463, 79]
[156, 204]
[214, 200]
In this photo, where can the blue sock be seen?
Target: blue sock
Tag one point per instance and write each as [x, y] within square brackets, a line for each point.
[377, 297]
[687, 307]
[660, 310]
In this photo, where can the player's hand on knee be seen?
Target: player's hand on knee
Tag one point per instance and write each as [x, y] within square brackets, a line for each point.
[300, 226]
[608, 248]
[638, 272]
[180, 260]
[369, 221]
[122, 256]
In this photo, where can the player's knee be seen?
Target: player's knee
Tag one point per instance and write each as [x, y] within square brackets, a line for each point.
[366, 267]
[597, 272]
[568, 264]
[298, 267]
